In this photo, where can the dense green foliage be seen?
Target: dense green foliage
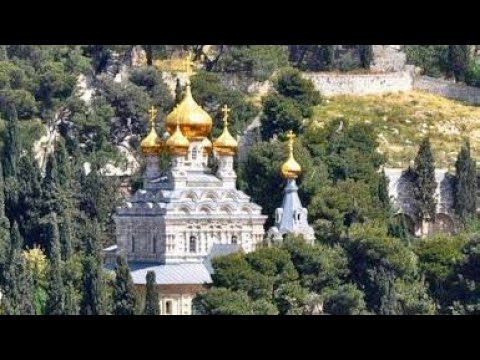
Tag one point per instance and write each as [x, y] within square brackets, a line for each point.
[292, 101]
[55, 216]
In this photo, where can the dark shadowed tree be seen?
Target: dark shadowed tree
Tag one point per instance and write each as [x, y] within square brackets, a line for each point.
[465, 200]
[152, 302]
[123, 292]
[424, 183]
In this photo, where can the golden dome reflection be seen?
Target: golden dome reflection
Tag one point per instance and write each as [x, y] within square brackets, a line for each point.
[225, 144]
[290, 169]
[177, 144]
[152, 144]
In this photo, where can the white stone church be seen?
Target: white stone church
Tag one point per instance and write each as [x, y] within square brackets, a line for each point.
[186, 216]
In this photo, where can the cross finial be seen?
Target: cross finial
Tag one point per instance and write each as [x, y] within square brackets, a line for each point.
[153, 115]
[290, 136]
[225, 111]
[189, 64]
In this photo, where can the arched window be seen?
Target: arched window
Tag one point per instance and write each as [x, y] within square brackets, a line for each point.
[298, 216]
[193, 244]
[234, 239]
[154, 245]
[133, 244]
[194, 153]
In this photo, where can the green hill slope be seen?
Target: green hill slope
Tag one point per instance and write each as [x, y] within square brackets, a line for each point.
[403, 119]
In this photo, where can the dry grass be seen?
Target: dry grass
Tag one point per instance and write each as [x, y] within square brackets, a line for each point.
[403, 119]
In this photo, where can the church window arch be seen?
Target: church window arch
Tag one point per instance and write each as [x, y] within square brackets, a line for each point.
[154, 245]
[133, 244]
[193, 244]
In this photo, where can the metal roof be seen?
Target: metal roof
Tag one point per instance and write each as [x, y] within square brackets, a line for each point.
[171, 274]
[220, 250]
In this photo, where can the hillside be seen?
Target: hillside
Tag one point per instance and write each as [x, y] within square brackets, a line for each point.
[403, 119]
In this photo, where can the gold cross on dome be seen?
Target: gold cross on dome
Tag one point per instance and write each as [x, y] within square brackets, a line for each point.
[153, 115]
[189, 64]
[225, 111]
[290, 136]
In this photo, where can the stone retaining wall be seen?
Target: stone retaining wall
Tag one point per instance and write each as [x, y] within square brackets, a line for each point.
[448, 89]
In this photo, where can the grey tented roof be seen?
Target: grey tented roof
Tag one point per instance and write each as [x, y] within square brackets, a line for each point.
[171, 274]
[219, 250]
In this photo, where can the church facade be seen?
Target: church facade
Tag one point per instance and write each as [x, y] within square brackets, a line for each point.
[182, 218]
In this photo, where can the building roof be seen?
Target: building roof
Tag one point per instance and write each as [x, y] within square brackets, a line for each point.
[171, 274]
[219, 250]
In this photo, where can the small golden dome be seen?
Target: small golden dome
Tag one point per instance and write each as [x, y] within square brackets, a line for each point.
[290, 169]
[225, 144]
[195, 122]
[152, 144]
[207, 146]
[177, 144]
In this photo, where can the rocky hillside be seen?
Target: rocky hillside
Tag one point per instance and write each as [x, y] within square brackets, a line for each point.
[403, 119]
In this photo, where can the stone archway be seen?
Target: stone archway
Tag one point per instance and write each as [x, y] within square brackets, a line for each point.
[444, 223]
[407, 221]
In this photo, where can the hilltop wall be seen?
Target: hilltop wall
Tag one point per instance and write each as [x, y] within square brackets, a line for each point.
[448, 89]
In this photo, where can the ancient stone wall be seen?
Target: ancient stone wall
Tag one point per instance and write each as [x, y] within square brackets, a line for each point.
[448, 89]
[330, 84]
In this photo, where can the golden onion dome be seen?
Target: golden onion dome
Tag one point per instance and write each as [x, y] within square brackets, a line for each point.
[177, 144]
[290, 169]
[152, 144]
[195, 122]
[207, 146]
[225, 144]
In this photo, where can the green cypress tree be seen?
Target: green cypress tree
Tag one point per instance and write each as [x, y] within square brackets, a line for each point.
[4, 227]
[366, 55]
[16, 240]
[50, 184]
[56, 291]
[11, 142]
[71, 300]
[152, 301]
[18, 281]
[458, 61]
[383, 194]
[465, 197]
[424, 182]
[63, 164]
[66, 229]
[124, 293]
[93, 288]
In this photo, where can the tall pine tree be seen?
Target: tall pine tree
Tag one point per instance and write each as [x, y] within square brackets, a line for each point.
[424, 182]
[29, 207]
[383, 194]
[56, 291]
[152, 301]
[18, 281]
[465, 199]
[93, 288]
[124, 293]
[94, 301]
[4, 227]
[11, 142]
